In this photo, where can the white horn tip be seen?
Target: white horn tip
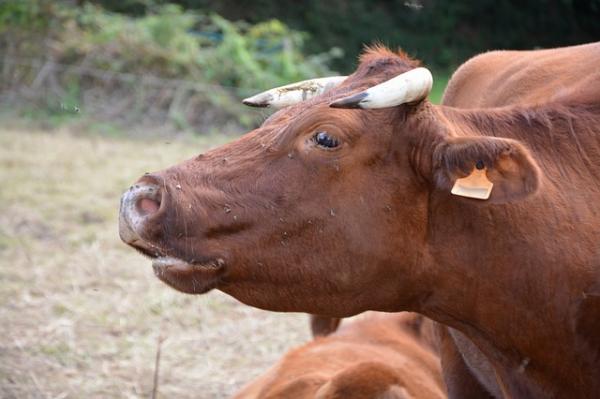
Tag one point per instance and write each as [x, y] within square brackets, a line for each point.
[257, 101]
[355, 101]
[251, 103]
[294, 93]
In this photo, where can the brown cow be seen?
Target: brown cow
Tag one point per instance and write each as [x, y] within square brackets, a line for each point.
[377, 356]
[335, 211]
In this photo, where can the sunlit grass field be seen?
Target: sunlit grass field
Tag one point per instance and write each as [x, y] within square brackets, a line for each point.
[80, 313]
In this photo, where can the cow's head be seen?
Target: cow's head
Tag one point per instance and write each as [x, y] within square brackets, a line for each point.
[318, 206]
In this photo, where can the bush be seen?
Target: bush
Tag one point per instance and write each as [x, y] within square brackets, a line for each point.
[188, 69]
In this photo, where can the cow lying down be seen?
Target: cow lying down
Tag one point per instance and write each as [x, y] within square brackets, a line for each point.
[378, 355]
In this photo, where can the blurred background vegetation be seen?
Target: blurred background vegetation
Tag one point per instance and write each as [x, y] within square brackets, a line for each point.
[183, 65]
[441, 33]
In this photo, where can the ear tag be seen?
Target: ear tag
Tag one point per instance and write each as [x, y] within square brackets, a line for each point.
[476, 185]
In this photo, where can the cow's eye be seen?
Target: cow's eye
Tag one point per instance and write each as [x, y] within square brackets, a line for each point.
[325, 140]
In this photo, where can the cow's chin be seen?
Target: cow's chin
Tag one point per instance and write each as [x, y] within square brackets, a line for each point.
[186, 277]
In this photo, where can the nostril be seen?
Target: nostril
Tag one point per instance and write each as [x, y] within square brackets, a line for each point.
[142, 200]
[147, 206]
[140, 203]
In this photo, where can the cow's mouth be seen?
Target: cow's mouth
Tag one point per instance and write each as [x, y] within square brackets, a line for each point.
[192, 276]
[172, 264]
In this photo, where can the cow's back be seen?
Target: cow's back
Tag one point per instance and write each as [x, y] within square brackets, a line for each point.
[500, 78]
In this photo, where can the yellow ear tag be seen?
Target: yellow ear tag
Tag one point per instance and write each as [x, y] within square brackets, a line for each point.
[476, 185]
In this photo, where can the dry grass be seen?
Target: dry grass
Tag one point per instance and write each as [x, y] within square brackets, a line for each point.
[81, 314]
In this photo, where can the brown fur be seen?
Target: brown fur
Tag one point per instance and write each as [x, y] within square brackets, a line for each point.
[555, 126]
[323, 325]
[372, 224]
[377, 356]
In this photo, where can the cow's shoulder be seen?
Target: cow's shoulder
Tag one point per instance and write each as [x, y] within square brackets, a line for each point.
[501, 78]
[468, 82]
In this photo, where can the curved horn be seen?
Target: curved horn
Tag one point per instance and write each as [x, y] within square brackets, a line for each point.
[407, 87]
[294, 93]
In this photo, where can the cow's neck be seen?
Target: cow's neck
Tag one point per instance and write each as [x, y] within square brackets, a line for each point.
[522, 280]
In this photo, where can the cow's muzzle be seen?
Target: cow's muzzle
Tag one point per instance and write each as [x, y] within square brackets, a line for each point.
[141, 225]
[139, 206]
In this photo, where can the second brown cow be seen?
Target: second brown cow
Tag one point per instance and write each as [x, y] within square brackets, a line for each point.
[389, 356]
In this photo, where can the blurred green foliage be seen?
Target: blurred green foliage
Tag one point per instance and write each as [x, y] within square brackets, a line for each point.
[169, 42]
[224, 60]
[442, 33]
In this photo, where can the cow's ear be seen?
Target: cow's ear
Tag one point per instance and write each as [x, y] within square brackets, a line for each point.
[491, 169]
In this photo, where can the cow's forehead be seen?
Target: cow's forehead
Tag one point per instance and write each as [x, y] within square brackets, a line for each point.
[286, 124]
[344, 124]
